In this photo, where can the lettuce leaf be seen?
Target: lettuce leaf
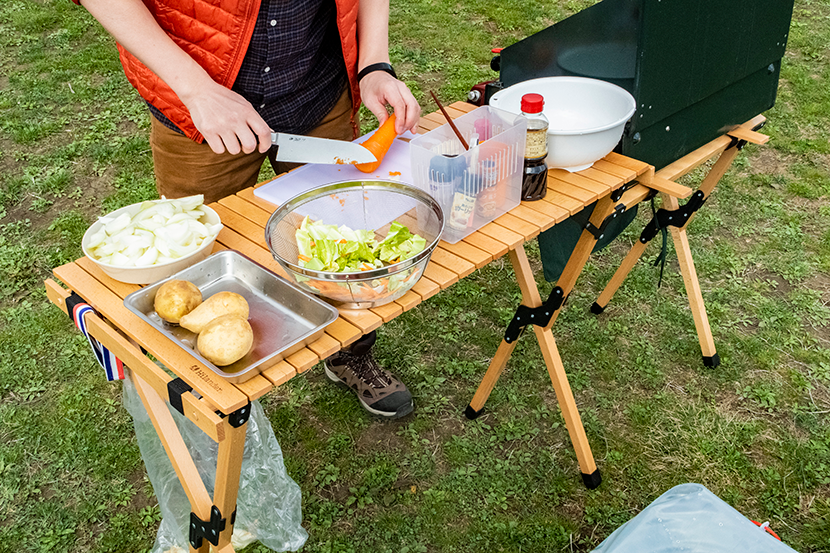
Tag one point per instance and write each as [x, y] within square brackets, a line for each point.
[323, 247]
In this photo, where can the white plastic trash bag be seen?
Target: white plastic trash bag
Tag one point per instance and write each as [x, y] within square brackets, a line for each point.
[691, 519]
[269, 501]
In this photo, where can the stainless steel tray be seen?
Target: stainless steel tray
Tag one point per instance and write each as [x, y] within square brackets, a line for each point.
[284, 319]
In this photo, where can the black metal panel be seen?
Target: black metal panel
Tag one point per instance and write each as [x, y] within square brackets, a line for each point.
[599, 42]
[695, 67]
[691, 49]
[688, 129]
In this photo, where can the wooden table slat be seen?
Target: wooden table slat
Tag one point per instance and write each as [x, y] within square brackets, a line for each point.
[325, 346]
[441, 276]
[280, 373]
[571, 205]
[363, 319]
[408, 300]
[527, 229]
[247, 228]
[303, 360]
[246, 209]
[463, 106]
[476, 256]
[494, 247]
[614, 169]
[388, 312]
[612, 181]
[425, 288]
[502, 234]
[450, 261]
[579, 194]
[547, 209]
[635, 165]
[344, 332]
[581, 181]
[255, 387]
[543, 220]
[236, 241]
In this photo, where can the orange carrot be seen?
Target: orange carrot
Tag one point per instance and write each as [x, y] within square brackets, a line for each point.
[379, 143]
[304, 258]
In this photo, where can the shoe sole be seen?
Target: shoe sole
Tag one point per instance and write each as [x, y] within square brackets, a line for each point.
[402, 412]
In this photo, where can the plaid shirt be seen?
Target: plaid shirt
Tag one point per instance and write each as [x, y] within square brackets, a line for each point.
[293, 72]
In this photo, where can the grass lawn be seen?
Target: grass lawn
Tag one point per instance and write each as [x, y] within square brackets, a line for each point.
[73, 145]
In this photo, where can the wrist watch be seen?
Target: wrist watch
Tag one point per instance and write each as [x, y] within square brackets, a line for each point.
[383, 66]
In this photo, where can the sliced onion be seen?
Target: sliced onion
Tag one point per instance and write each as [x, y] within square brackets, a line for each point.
[162, 231]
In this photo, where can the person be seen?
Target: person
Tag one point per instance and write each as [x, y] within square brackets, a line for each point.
[219, 77]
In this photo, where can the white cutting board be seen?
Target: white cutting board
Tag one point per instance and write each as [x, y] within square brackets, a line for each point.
[395, 166]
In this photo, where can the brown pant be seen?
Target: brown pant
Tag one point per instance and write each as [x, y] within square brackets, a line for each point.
[184, 167]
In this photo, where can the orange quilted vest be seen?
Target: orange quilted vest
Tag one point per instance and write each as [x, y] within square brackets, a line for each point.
[216, 33]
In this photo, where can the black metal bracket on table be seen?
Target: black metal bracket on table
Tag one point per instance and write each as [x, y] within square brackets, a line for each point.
[210, 529]
[664, 218]
[539, 316]
[177, 387]
[599, 232]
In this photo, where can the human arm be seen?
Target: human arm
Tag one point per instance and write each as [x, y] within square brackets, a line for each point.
[377, 89]
[225, 119]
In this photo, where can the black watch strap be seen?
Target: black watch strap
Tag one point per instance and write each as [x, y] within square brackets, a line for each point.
[383, 66]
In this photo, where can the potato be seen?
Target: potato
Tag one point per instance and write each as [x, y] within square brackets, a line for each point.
[175, 299]
[226, 340]
[219, 304]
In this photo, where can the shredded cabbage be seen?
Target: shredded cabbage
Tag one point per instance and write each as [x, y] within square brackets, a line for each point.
[343, 250]
[162, 231]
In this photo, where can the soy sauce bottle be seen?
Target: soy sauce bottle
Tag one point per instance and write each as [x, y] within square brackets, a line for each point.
[535, 178]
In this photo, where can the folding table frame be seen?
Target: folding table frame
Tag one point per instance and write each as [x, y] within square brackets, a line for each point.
[541, 315]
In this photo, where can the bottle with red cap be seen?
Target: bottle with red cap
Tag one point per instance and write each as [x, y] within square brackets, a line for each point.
[535, 179]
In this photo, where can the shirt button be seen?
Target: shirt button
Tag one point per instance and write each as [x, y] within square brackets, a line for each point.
[273, 22]
[267, 69]
[262, 106]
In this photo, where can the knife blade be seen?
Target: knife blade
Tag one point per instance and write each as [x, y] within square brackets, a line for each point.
[309, 149]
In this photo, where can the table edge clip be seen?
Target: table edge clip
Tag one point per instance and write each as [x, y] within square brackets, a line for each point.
[599, 232]
[238, 417]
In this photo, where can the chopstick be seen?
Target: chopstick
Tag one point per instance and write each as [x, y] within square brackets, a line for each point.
[449, 120]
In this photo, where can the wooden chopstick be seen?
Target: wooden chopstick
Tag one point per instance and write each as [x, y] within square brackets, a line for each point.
[449, 120]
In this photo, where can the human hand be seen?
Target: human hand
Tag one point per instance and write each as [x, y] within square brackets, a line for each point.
[377, 89]
[227, 120]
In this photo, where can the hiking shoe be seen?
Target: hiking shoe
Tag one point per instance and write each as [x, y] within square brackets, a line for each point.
[378, 391]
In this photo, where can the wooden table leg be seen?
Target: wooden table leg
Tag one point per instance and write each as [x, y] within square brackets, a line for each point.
[621, 273]
[492, 375]
[687, 269]
[531, 298]
[177, 452]
[582, 251]
[228, 468]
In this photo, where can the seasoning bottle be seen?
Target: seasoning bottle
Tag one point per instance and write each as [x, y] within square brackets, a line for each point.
[444, 174]
[463, 202]
[535, 178]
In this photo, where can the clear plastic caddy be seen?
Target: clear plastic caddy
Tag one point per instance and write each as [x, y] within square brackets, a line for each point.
[475, 186]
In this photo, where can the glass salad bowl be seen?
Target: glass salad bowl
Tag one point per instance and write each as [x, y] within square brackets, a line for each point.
[360, 244]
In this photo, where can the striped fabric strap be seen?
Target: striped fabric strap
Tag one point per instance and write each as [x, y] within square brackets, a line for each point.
[113, 367]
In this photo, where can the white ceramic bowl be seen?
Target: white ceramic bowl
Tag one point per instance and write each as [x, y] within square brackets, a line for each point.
[153, 273]
[587, 116]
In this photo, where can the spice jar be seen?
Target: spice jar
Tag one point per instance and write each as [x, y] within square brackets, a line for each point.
[535, 177]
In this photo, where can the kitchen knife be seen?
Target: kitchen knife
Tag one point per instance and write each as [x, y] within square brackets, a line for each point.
[308, 149]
